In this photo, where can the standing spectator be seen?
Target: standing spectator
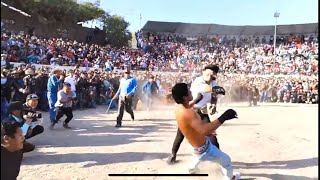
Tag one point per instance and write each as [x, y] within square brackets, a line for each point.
[54, 82]
[42, 81]
[6, 84]
[71, 80]
[150, 90]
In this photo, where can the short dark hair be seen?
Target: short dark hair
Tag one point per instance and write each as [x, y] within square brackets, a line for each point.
[179, 91]
[66, 84]
[9, 128]
[212, 67]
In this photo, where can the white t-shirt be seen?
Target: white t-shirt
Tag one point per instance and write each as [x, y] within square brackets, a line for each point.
[72, 82]
[198, 86]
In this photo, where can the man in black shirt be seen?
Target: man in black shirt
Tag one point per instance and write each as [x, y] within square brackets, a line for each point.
[11, 150]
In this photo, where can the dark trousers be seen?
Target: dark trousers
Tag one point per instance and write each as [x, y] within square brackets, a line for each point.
[124, 103]
[64, 111]
[35, 131]
[80, 96]
[43, 101]
[179, 137]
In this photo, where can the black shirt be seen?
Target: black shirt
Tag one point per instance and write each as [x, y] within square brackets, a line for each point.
[10, 164]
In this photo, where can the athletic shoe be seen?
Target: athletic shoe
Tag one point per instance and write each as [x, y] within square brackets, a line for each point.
[118, 125]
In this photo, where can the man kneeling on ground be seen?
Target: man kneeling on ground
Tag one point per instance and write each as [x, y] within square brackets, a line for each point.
[197, 132]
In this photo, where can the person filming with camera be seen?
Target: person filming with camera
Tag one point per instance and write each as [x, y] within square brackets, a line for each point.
[29, 110]
[28, 124]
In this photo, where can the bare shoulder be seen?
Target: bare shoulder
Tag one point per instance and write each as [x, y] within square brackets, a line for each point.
[184, 113]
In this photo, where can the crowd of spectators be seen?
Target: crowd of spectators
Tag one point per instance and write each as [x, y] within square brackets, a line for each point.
[294, 55]
[238, 61]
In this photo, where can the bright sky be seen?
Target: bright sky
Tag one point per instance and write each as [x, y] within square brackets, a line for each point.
[226, 12]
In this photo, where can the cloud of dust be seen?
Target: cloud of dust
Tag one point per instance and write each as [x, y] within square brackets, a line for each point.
[157, 104]
[211, 168]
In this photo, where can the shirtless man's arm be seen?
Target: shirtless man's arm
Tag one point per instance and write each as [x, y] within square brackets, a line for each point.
[209, 128]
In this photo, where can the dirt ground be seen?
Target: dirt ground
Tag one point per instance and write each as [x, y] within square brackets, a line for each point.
[270, 141]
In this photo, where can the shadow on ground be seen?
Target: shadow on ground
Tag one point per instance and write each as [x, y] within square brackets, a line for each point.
[93, 159]
[93, 135]
[291, 164]
[276, 177]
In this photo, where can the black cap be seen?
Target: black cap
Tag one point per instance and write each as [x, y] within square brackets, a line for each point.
[32, 96]
[212, 67]
[17, 105]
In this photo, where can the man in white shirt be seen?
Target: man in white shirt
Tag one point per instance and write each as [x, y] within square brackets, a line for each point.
[203, 103]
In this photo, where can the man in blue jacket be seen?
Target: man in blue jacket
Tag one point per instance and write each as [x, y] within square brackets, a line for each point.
[54, 82]
[150, 89]
[126, 91]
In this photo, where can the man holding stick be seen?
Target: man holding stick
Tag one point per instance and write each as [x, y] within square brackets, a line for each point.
[127, 89]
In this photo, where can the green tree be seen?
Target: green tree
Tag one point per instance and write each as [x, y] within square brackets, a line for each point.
[117, 33]
[58, 11]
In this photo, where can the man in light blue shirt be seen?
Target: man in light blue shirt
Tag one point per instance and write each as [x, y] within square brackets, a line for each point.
[127, 89]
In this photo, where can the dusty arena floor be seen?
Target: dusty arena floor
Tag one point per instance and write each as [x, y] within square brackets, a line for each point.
[270, 141]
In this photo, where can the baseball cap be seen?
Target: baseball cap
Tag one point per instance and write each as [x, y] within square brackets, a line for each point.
[32, 96]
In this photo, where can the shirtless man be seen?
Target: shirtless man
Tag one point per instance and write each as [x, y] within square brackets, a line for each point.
[204, 103]
[196, 131]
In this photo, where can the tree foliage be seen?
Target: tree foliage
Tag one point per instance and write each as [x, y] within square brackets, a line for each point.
[117, 33]
[62, 11]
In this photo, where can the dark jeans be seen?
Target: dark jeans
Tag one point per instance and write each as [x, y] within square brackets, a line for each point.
[179, 137]
[81, 100]
[35, 131]
[64, 111]
[43, 100]
[124, 103]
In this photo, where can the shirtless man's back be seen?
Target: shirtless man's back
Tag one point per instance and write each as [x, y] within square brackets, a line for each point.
[196, 132]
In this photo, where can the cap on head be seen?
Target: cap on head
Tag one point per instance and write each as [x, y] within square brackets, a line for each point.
[31, 97]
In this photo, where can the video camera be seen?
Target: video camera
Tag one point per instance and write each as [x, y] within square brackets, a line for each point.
[32, 114]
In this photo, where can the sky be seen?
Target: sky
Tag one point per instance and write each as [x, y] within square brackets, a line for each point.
[226, 12]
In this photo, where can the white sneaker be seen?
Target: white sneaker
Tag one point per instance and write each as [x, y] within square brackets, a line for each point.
[236, 175]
